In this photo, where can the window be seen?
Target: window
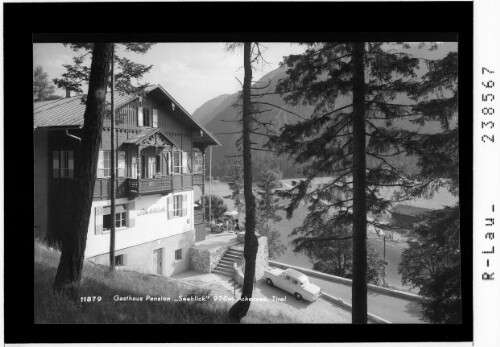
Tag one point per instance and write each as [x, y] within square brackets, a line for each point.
[125, 218]
[147, 117]
[151, 167]
[178, 254]
[197, 162]
[120, 215]
[294, 281]
[177, 162]
[104, 164]
[177, 206]
[119, 260]
[63, 164]
[121, 164]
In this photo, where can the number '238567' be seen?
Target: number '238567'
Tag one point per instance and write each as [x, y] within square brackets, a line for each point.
[488, 110]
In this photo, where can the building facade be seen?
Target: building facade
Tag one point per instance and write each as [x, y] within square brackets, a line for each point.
[160, 151]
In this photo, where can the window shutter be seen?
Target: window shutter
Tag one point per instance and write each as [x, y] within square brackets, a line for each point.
[140, 117]
[55, 163]
[184, 205]
[98, 220]
[100, 165]
[71, 164]
[170, 208]
[130, 219]
[190, 161]
[169, 163]
[184, 162]
[155, 118]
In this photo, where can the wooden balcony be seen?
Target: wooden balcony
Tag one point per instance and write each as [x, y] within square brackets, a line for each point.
[144, 186]
[102, 188]
[131, 187]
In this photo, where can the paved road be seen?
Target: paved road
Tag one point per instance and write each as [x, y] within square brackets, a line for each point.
[271, 300]
[393, 252]
[395, 310]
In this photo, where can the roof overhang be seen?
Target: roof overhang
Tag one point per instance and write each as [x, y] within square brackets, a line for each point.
[205, 135]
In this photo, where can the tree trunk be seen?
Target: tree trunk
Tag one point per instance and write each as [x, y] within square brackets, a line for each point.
[69, 272]
[240, 309]
[359, 268]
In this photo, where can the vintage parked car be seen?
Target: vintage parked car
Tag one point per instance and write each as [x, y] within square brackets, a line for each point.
[294, 282]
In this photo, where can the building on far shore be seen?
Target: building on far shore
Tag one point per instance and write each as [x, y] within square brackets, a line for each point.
[160, 174]
[405, 216]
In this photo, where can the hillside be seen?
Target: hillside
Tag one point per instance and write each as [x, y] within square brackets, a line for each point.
[220, 117]
[126, 285]
[224, 121]
[206, 112]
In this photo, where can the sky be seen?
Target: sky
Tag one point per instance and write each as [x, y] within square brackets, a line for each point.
[192, 73]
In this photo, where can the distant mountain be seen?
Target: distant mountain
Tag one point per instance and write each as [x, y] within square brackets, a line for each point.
[206, 112]
[224, 119]
[220, 116]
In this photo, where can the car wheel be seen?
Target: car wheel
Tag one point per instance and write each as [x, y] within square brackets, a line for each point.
[270, 282]
[298, 296]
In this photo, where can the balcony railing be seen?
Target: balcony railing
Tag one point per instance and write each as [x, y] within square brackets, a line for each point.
[150, 185]
[102, 188]
[131, 186]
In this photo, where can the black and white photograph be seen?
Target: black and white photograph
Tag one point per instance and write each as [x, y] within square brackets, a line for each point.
[250, 182]
[293, 180]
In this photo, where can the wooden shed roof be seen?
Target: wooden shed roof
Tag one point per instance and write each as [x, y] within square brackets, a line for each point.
[409, 210]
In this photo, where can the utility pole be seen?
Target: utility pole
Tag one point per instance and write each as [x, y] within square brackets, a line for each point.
[113, 176]
[210, 190]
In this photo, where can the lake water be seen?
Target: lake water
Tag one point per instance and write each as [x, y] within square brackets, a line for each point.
[286, 226]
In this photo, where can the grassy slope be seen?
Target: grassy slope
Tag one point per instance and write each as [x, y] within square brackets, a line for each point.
[96, 281]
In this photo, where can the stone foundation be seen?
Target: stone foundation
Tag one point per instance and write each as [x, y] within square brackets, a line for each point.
[205, 259]
[261, 262]
[262, 259]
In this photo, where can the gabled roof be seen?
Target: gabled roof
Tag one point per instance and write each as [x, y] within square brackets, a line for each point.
[68, 112]
[137, 140]
[409, 210]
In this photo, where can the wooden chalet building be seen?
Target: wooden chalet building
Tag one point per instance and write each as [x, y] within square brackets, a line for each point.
[160, 174]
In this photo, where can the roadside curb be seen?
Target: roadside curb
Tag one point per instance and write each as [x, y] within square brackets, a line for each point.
[337, 279]
[343, 304]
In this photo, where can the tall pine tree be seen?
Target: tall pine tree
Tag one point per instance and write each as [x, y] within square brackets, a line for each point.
[432, 261]
[371, 107]
[69, 271]
[236, 186]
[241, 307]
[97, 76]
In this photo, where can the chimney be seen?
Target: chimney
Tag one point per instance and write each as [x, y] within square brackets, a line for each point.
[68, 92]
